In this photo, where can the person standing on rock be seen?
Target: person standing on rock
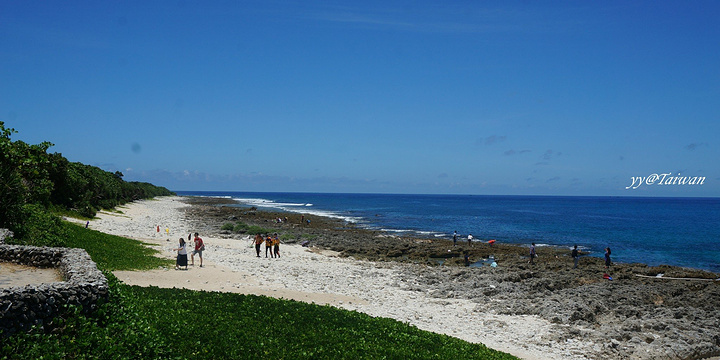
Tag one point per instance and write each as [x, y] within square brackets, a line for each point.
[199, 247]
[455, 238]
[470, 238]
[575, 256]
[607, 258]
[533, 254]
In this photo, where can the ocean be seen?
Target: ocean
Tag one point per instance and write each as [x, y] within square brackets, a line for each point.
[655, 231]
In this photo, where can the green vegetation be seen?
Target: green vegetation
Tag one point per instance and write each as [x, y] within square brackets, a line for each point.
[112, 252]
[254, 230]
[33, 183]
[243, 228]
[154, 323]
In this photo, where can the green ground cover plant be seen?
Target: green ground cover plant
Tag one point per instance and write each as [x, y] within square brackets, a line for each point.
[112, 252]
[153, 323]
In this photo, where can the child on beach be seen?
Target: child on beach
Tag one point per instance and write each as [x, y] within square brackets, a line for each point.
[182, 255]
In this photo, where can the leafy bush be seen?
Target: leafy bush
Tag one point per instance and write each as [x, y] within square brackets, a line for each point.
[23, 179]
[254, 230]
[241, 228]
[238, 228]
[40, 228]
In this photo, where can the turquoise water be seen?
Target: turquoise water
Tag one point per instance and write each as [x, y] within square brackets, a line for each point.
[673, 231]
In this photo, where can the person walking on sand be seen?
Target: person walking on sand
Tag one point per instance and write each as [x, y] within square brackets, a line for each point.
[268, 246]
[199, 247]
[258, 242]
[575, 256]
[532, 254]
[607, 258]
[181, 259]
[276, 245]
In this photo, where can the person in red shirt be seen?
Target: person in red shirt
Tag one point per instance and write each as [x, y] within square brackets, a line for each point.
[199, 247]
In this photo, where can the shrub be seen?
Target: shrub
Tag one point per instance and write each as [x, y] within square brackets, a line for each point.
[40, 228]
[254, 230]
[241, 228]
[227, 226]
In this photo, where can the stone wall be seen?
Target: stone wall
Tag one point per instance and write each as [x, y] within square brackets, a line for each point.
[23, 307]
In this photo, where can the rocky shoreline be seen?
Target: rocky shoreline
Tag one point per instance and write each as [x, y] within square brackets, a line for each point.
[636, 315]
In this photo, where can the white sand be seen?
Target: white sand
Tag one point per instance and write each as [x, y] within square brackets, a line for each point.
[309, 275]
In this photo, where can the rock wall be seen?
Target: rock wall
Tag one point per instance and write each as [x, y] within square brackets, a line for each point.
[23, 307]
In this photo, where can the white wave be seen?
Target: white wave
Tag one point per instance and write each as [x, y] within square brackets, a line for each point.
[418, 232]
[395, 230]
[296, 208]
[540, 245]
[260, 202]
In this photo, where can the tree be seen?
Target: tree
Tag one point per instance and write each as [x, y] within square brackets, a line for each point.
[25, 186]
[33, 181]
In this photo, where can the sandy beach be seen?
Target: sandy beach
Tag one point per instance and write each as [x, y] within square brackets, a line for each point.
[549, 312]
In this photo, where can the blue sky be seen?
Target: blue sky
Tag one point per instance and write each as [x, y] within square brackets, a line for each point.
[545, 98]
